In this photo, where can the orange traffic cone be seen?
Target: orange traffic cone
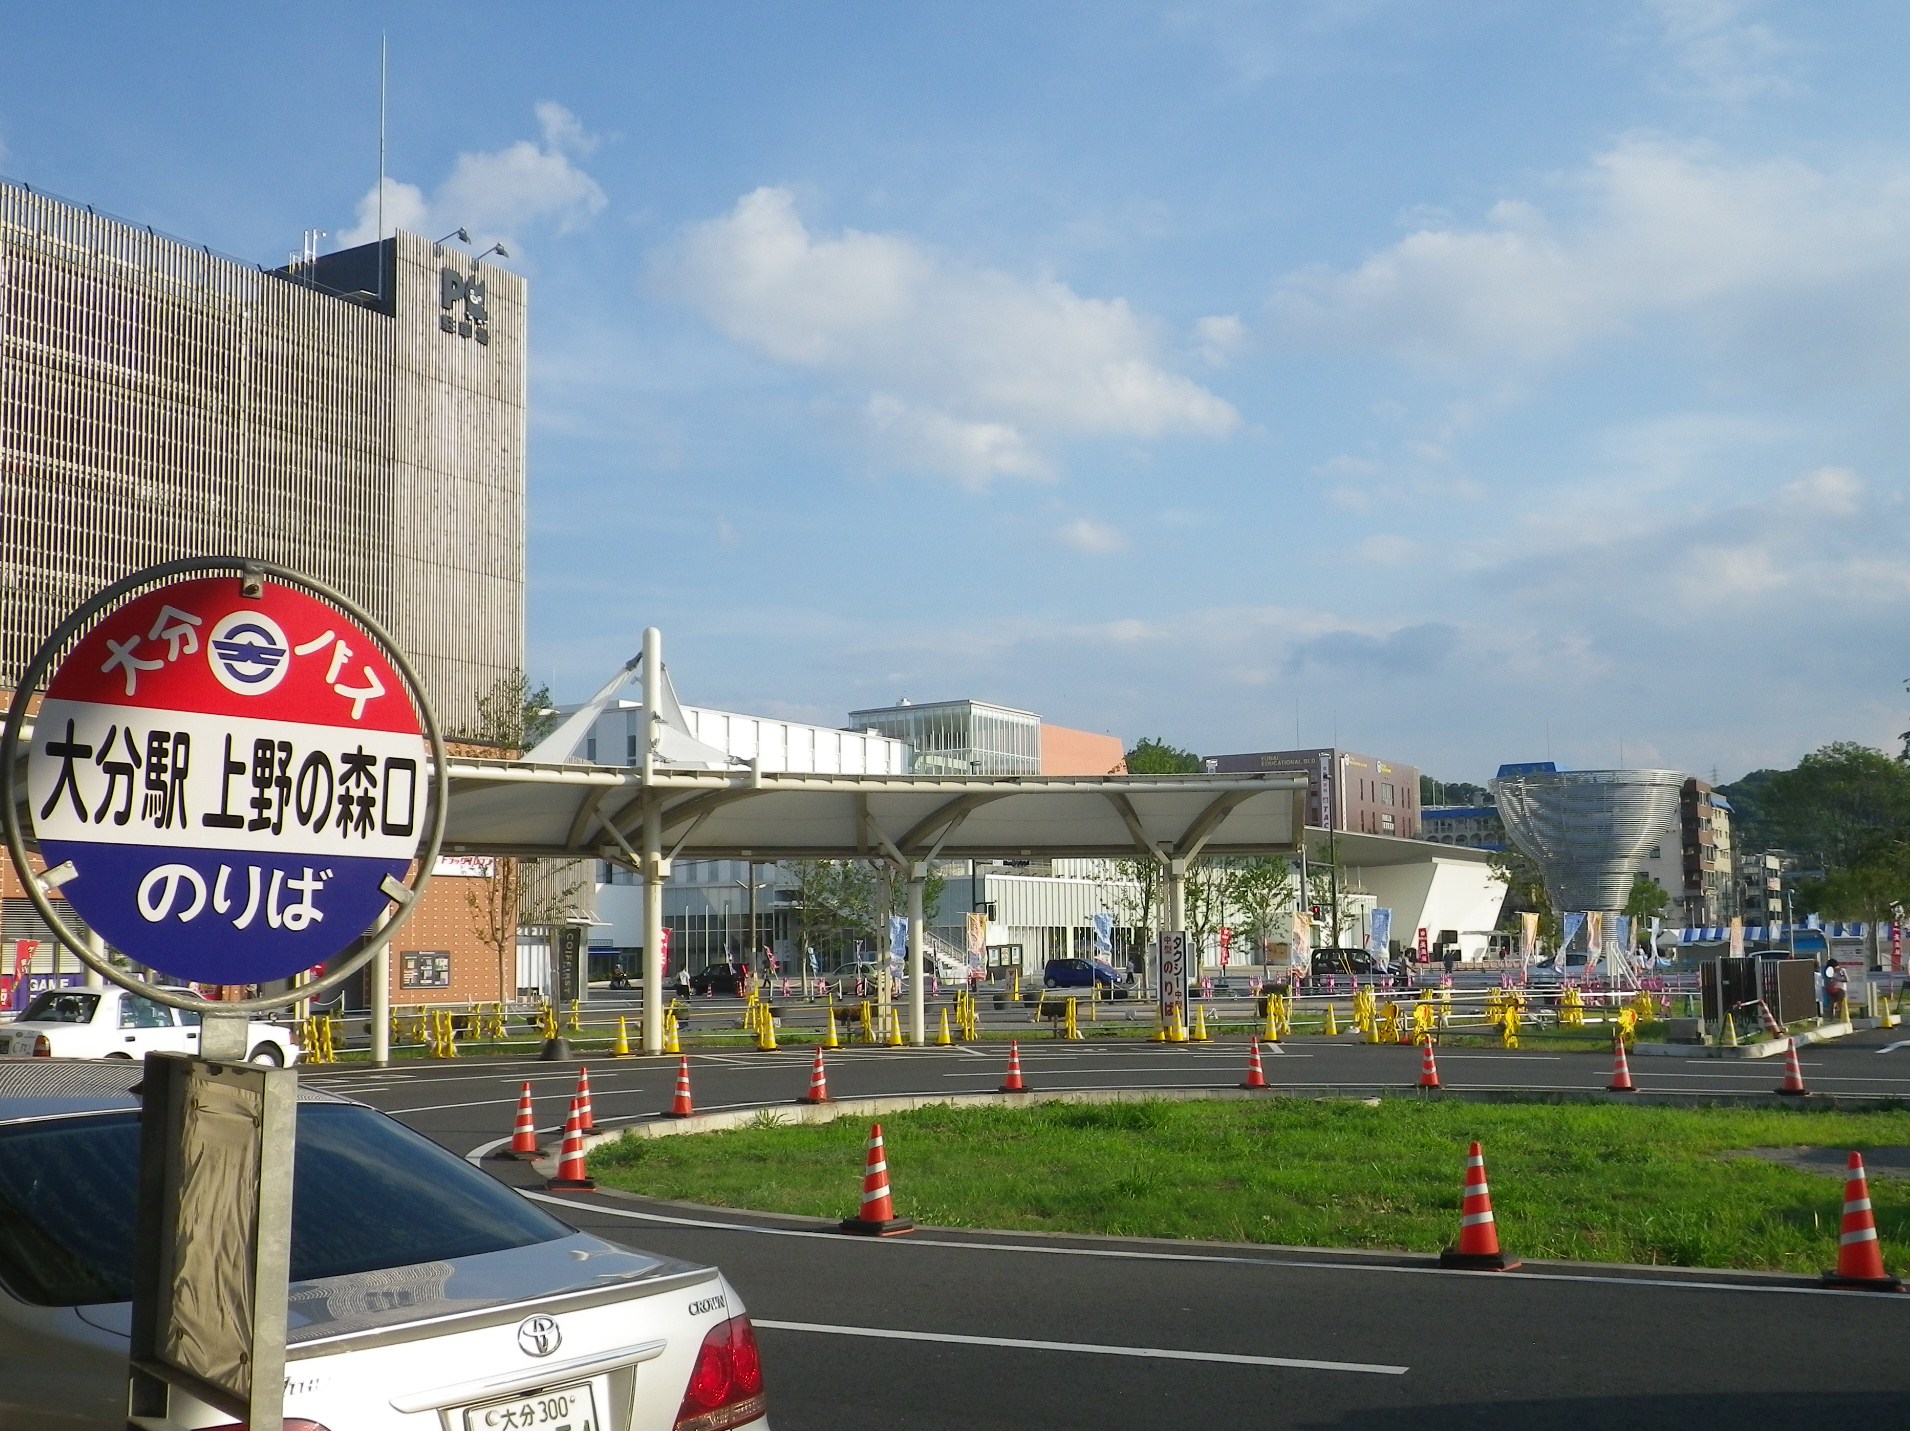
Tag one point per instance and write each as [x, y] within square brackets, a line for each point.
[1256, 1075]
[681, 1106]
[877, 1218]
[1793, 1085]
[571, 1172]
[1478, 1247]
[818, 1083]
[524, 1135]
[1428, 1070]
[1621, 1071]
[1014, 1083]
[587, 1120]
[1859, 1258]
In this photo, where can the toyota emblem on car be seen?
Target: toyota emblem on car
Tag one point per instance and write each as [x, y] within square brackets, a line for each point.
[538, 1336]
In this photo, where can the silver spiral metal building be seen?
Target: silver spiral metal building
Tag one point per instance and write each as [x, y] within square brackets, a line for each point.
[1588, 830]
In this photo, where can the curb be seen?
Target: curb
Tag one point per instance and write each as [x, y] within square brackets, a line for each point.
[1763, 1048]
[796, 1114]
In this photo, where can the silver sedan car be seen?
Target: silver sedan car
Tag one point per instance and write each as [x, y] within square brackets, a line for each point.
[423, 1294]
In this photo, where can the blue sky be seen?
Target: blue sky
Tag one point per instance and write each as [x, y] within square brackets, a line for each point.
[1467, 382]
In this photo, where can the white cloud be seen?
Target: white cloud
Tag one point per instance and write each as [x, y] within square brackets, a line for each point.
[498, 195]
[1719, 53]
[1647, 229]
[1219, 339]
[1387, 549]
[981, 370]
[974, 453]
[1085, 534]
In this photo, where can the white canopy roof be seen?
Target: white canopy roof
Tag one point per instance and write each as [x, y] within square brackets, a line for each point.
[583, 811]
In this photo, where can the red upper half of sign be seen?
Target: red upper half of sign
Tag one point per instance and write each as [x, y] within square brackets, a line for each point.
[204, 646]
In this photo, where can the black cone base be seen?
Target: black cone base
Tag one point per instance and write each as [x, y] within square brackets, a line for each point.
[894, 1227]
[571, 1185]
[1476, 1261]
[1864, 1284]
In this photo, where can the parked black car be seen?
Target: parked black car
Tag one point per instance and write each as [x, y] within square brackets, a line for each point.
[1358, 963]
[718, 979]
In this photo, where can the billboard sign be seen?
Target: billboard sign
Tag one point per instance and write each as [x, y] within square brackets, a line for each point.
[227, 786]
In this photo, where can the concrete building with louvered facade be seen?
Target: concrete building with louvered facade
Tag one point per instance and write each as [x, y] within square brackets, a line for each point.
[358, 418]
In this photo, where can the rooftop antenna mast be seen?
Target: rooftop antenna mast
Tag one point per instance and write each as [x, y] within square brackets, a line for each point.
[382, 49]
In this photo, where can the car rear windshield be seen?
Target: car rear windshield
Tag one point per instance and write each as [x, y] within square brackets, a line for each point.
[59, 1006]
[367, 1193]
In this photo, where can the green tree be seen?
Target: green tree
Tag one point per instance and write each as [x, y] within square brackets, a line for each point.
[1864, 890]
[1647, 898]
[512, 716]
[1840, 803]
[1262, 891]
[1525, 891]
[1452, 792]
[1154, 756]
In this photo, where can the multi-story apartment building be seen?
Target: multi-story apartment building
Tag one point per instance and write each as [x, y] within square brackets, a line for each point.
[1694, 863]
[1345, 790]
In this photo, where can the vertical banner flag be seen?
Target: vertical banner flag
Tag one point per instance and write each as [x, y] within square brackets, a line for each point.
[1896, 946]
[1422, 944]
[1621, 932]
[1380, 932]
[977, 940]
[898, 937]
[23, 953]
[1103, 934]
[1737, 936]
[1302, 945]
[1595, 931]
[663, 947]
[1569, 925]
[1528, 935]
[1226, 945]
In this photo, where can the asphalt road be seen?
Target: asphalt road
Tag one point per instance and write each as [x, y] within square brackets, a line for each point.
[949, 1329]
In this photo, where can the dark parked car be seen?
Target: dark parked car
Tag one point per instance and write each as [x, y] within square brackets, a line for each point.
[718, 979]
[1357, 963]
[1083, 974]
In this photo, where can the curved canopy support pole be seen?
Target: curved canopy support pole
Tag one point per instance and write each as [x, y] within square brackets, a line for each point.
[654, 866]
[918, 1009]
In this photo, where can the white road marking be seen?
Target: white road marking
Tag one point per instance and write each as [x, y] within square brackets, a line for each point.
[1092, 1348]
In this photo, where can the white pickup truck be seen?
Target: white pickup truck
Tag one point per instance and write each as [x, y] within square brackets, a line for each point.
[116, 1023]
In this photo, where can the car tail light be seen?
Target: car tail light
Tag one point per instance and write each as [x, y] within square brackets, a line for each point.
[42, 1047]
[726, 1385]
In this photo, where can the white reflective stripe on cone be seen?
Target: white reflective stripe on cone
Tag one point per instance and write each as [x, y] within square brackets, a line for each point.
[1861, 1204]
[1473, 1219]
[1867, 1234]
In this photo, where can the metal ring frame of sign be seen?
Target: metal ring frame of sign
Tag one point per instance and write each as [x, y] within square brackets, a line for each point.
[247, 570]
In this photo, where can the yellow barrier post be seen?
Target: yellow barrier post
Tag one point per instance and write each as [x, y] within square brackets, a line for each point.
[943, 1039]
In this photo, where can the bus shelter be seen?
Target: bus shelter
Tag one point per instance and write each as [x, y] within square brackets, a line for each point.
[645, 818]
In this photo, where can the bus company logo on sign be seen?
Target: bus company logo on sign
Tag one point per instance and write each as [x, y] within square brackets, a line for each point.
[232, 779]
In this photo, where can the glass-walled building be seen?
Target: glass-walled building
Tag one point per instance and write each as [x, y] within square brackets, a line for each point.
[960, 737]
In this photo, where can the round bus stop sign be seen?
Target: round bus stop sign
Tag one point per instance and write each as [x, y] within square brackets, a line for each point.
[233, 780]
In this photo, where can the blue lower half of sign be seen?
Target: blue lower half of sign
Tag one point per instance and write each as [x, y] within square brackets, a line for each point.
[223, 916]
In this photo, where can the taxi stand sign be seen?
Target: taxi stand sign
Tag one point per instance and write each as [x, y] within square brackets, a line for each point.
[1174, 977]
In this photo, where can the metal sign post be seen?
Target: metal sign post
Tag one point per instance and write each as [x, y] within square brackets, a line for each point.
[233, 778]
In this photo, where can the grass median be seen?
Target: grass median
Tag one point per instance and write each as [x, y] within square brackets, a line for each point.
[1662, 1186]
